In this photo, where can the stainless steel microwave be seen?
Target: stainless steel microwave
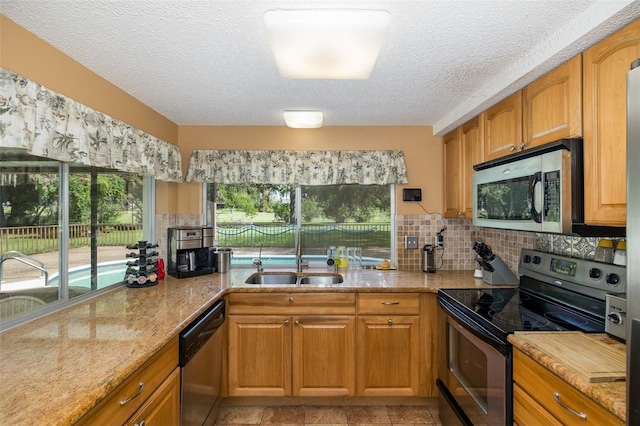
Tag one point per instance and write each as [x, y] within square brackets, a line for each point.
[535, 190]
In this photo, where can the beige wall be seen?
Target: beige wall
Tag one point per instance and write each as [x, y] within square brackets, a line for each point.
[422, 150]
[31, 57]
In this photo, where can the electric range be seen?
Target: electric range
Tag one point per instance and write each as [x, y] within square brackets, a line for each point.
[555, 293]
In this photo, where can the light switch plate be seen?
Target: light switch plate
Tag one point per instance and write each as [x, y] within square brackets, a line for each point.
[411, 242]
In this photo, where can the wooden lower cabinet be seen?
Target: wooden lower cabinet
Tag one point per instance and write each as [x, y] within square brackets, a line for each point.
[388, 355]
[291, 354]
[323, 356]
[259, 355]
[152, 394]
[388, 344]
[163, 407]
[542, 398]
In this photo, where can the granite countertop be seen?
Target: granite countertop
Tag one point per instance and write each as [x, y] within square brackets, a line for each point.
[610, 395]
[55, 369]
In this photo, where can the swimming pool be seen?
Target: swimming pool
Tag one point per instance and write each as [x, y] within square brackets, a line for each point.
[109, 273]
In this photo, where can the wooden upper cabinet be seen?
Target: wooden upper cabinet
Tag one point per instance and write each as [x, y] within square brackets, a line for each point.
[472, 153]
[605, 66]
[503, 127]
[552, 105]
[463, 148]
[452, 173]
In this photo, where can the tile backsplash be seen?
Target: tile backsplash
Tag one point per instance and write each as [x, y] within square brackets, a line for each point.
[460, 236]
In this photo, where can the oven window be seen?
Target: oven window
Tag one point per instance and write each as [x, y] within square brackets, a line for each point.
[504, 200]
[469, 365]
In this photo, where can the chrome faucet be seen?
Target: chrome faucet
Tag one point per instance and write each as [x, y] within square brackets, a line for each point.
[299, 251]
[258, 262]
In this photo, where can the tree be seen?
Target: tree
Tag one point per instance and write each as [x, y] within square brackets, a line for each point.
[344, 203]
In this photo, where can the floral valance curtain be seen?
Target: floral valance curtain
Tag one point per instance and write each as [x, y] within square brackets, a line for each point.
[50, 125]
[298, 167]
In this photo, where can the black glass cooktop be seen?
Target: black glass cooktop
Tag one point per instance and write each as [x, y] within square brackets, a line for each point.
[505, 310]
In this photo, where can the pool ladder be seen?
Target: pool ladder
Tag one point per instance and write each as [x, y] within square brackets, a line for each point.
[23, 258]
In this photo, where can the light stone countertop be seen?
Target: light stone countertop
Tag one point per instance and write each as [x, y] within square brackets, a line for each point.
[610, 395]
[55, 369]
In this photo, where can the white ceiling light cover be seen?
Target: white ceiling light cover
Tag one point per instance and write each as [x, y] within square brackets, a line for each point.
[337, 44]
[303, 119]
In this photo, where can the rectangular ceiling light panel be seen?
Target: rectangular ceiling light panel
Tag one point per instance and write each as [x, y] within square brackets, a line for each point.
[303, 119]
[326, 44]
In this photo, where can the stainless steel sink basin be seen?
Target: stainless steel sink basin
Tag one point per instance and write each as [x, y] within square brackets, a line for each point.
[273, 278]
[292, 278]
[322, 279]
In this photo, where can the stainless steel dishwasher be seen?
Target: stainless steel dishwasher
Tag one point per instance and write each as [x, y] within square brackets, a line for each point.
[201, 363]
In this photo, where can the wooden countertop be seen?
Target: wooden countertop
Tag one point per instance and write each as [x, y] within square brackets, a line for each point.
[610, 395]
[55, 369]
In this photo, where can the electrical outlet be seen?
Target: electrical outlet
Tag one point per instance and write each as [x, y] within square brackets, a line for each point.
[411, 242]
[439, 242]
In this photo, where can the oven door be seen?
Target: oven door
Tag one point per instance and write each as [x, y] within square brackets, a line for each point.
[474, 376]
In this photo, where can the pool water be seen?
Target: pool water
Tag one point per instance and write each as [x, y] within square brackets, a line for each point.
[109, 273]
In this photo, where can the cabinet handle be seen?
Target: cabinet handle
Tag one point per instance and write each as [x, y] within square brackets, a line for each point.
[390, 303]
[286, 322]
[291, 299]
[296, 323]
[513, 148]
[390, 322]
[140, 389]
[142, 423]
[522, 145]
[580, 414]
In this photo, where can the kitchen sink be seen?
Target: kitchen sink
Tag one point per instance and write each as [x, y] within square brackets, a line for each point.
[321, 279]
[293, 278]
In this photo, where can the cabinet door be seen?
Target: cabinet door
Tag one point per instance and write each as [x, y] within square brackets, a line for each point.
[163, 406]
[259, 355]
[324, 356]
[503, 127]
[452, 173]
[552, 105]
[605, 66]
[388, 355]
[472, 139]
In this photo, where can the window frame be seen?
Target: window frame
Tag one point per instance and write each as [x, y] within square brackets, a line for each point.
[210, 218]
[148, 230]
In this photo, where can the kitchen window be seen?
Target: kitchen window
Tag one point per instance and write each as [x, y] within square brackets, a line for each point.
[255, 219]
[63, 231]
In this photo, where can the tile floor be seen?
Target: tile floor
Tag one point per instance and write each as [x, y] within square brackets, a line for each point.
[378, 415]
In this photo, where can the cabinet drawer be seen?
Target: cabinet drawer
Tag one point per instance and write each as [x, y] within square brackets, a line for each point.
[151, 375]
[292, 303]
[526, 411]
[389, 304]
[541, 385]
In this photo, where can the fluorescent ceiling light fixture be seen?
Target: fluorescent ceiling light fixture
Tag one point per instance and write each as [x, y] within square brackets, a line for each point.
[326, 44]
[303, 119]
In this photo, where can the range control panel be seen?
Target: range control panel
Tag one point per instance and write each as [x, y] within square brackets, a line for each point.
[599, 278]
[616, 317]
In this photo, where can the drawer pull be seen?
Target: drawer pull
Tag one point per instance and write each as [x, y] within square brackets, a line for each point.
[140, 389]
[390, 303]
[291, 300]
[390, 322]
[580, 414]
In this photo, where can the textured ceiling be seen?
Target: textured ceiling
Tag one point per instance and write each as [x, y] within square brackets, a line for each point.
[209, 62]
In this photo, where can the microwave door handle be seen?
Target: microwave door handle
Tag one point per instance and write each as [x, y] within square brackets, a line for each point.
[533, 180]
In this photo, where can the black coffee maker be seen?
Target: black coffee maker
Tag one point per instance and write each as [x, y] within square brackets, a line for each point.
[190, 251]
